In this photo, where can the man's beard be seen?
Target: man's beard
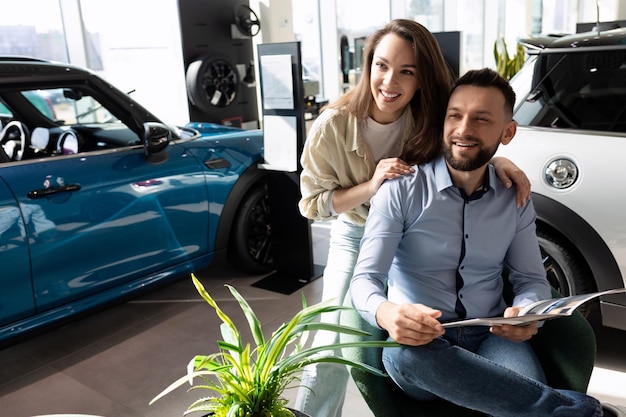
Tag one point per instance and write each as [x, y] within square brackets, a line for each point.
[483, 156]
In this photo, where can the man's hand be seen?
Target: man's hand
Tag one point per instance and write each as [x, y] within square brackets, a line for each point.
[409, 324]
[515, 333]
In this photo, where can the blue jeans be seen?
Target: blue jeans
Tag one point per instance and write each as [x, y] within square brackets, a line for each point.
[323, 385]
[475, 369]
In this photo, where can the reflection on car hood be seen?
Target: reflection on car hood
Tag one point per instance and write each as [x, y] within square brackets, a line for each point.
[578, 40]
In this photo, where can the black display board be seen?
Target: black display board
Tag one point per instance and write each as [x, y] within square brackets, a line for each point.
[282, 98]
[450, 44]
[219, 63]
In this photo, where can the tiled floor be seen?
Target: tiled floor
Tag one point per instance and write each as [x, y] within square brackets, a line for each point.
[113, 362]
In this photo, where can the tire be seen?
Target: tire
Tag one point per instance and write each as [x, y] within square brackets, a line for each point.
[565, 269]
[212, 82]
[250, 245]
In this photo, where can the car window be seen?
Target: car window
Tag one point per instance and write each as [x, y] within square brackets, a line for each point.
[578, 90]
[4, 110]
[48, 122]
[5, 114]
[522, 81]
[68, 106]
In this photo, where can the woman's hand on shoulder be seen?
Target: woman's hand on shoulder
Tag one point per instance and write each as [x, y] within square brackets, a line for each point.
[387, 169]
[348, 198]
[510, 173]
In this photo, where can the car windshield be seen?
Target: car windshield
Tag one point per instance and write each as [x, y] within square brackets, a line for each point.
[577, 90]
[68, 106]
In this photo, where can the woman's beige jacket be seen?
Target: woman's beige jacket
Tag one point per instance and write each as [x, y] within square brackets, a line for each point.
[335, 156]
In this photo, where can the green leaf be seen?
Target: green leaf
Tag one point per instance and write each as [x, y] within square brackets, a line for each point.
[228, 329]
[246, 365]
[228, 346]
[336, 328]
[253, 321]
[508, 66]
[308, 353]
[212, 302]
[355, 364]
[180, 381]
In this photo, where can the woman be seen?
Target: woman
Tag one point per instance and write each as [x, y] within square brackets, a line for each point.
[391, 120]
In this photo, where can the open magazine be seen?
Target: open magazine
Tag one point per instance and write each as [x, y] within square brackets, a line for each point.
[538, 311]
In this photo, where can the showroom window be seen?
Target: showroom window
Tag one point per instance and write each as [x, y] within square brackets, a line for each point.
[427, 12]
[481, 23]
[139, 51]
[307, 30]
[355, 21]
[33, 28]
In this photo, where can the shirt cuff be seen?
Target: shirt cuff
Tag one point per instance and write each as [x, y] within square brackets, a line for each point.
[329, 204]
[371, 308]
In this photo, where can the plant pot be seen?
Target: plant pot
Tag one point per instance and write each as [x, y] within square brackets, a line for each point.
[295, 412]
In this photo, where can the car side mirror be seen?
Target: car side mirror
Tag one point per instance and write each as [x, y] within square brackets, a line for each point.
[72, 94]
[155, 139]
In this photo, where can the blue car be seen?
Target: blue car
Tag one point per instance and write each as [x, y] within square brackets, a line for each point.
[99, 199]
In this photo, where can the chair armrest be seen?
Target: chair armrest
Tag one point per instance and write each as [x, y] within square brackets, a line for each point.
[373, 388]
[566, 348]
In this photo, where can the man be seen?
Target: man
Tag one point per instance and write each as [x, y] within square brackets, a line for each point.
[435, 244]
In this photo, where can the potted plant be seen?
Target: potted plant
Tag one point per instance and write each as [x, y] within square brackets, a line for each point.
[506, 66]
[249, 381]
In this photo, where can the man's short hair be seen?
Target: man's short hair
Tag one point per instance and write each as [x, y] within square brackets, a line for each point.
[487, 77]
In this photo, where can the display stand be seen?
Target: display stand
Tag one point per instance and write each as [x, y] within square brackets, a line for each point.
[282, 96]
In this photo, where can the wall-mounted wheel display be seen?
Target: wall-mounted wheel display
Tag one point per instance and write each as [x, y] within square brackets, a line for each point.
[212, 82]
[218, 55]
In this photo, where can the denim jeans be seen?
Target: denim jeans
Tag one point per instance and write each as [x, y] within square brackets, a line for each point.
[475, 369]
[323, 385]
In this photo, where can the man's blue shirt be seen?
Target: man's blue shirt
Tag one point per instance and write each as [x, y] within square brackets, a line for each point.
[422, 235]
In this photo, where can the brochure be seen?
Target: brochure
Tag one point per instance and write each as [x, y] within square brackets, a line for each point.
[539, 311]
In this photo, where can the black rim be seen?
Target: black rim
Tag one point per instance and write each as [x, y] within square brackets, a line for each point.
[258, 232]
[220, 78]
[555, 274]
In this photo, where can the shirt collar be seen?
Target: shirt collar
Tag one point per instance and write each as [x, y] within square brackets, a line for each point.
[443, 179]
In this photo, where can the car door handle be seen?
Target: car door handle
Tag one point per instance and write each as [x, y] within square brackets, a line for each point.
[44, 192]
[217, 163]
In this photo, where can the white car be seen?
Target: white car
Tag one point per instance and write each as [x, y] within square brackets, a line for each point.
[571, 142]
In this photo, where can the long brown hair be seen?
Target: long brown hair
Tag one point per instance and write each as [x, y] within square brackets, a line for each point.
[428, 105]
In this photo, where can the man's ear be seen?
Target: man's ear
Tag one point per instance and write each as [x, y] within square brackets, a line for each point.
[509, 132]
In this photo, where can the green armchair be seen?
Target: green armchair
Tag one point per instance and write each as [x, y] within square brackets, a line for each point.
[566, 348]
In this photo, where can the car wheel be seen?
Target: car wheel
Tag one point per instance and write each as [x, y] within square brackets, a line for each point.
[250, 246]
[564, 269]
[211, 82]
